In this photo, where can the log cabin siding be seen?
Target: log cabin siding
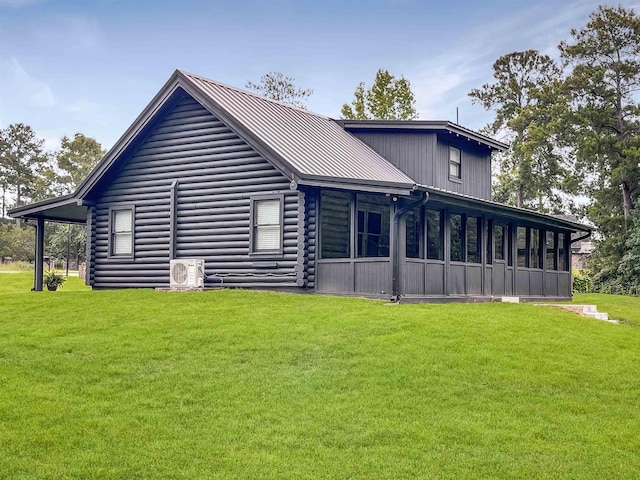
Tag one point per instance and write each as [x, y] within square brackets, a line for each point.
[217, 174]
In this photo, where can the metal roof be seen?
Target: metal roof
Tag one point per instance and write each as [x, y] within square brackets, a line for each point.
[500, 208]
[61, 209]
[314, 146]
[442, 125]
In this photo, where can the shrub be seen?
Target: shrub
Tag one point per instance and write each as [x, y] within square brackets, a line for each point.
[582, 283]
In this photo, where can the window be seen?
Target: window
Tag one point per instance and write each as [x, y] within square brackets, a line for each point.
[434, 234]
[473, 240]
[521, 233]
[550, 257]
[414, 235]
[456, 238]
[535, 245]
[267, 225]
[373, 225]
[498, 240]
[563, 259]
[122, 232]
[455, 163]
[335, 224]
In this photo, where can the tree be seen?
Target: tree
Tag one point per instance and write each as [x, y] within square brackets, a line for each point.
[526, 98]
[604, 122]
[16, 242]
[24, 165]
[75, 159]
[387, 99]
[605, 57]
[277, 86]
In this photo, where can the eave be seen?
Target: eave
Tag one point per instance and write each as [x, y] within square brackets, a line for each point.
[491, 207]
[424, 125]
[65, 209]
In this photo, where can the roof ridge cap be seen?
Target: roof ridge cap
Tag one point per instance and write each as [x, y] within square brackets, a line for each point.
[252, 94]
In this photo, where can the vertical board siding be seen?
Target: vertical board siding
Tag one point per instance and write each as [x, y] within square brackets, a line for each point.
[424, 156]
[498, 280]
[411, 152]
[335, 277]
[475, 169]
[564, 284]
[551, 284]
[435, 279]
[457, 279]
[474, 280]
[414, 277]
[373, 277]
[217, 174]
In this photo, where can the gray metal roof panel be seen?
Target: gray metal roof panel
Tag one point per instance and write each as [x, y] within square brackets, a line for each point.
[312, 144]
[507, 209]
[444, 125]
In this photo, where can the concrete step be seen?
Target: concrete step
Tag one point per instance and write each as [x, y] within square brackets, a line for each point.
[585, 310]
[510, 299]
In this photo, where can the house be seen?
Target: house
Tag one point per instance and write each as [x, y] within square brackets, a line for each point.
[272, 196]
[581, 252]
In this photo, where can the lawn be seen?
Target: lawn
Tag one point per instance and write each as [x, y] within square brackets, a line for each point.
[235, 384]
[624, 309]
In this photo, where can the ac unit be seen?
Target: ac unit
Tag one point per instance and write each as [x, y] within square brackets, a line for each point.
[186, 273]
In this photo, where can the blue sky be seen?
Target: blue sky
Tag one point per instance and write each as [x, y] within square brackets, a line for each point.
[92, 66]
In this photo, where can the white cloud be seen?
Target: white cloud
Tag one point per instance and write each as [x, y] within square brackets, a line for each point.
[52, 137]
[442, 82]
[36, 92]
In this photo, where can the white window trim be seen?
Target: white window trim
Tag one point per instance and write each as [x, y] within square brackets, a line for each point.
[112, 233]
[252, 226]
[458, 162]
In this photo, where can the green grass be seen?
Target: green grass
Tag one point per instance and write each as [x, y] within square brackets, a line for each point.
[619, 307]
[235, 384]
[22, 282]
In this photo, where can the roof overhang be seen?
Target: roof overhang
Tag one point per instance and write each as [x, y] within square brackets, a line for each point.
[357, 185]
[487, 206]
[65, 209]
[178, 85]
[424, 125]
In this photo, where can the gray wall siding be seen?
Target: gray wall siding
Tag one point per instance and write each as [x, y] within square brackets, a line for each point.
[310, 236]
[424, 157]
[217, 174]
[90, 246]
[411, 152]
[475, 168]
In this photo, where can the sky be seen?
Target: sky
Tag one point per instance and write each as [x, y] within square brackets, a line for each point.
[92, 66]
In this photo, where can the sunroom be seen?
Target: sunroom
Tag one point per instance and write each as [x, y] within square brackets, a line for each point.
[437, 245]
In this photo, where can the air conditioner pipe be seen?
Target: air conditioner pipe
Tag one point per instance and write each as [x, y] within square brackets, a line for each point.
[396, 242]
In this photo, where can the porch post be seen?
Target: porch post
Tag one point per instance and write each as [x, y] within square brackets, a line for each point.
[37, 273]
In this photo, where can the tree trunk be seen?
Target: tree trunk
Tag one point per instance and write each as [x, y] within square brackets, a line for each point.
[520, 199]
[627, 204]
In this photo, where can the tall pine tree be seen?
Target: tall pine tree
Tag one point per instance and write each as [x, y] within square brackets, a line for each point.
[603, 59]
[524, 97]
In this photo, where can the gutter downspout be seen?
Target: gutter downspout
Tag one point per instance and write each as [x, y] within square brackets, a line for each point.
[587, 235]
[396, 243]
